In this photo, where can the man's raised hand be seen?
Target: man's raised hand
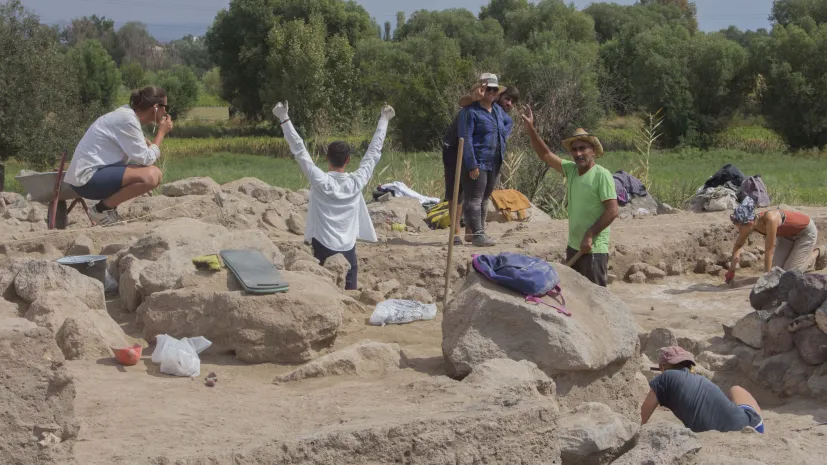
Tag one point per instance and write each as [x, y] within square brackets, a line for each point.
[387, 113]
[528, 116]
[280, 111]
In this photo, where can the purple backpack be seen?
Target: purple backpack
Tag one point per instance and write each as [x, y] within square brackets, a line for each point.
[754, 187]
[533, 277]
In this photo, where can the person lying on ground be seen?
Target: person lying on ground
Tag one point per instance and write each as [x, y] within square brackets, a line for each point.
[114, 162]
[485, 127]
[592, 199]
[450, 145]
[337, 214]
[790, 239]
[697, 401]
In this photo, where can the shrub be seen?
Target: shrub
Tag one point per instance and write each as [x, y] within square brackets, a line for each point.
[752, 139]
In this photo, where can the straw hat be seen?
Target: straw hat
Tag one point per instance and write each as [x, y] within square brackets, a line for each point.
[581, 134]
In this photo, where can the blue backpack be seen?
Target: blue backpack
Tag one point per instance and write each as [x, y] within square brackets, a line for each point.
[533, 277]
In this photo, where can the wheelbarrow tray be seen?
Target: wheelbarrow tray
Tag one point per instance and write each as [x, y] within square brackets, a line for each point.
[41, 186]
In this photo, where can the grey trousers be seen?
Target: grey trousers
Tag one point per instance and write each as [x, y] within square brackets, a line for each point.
[476, 193]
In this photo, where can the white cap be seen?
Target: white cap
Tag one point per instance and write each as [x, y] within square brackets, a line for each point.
[490, 80]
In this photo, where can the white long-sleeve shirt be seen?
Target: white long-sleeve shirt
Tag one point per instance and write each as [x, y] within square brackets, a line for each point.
[115, 137]
[337, 214]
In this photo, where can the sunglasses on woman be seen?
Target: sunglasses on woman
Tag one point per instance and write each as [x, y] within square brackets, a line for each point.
[491, 89]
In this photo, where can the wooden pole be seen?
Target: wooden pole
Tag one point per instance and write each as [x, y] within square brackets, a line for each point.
[454, 220]
[574, 259]
[56, 194]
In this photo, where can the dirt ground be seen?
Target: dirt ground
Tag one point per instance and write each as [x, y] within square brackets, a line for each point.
[138, 415]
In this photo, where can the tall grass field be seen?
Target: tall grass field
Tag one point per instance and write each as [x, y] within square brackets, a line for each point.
[794, 179]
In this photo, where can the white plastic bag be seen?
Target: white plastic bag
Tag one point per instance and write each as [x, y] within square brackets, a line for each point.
[397, 311]
[179, 357]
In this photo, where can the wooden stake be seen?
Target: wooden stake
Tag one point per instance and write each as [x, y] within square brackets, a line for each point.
[454, 221]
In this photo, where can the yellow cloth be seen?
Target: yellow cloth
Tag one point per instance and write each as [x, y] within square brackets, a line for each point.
[510, 200]
[207, 262]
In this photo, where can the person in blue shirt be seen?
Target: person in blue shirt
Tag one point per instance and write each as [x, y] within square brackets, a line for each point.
[485, 126]
[450, 145]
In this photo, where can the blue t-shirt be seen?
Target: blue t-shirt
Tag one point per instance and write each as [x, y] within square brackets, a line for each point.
[698, 402]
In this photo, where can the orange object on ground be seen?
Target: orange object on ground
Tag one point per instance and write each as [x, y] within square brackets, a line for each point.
[128, 355]
[510, 200]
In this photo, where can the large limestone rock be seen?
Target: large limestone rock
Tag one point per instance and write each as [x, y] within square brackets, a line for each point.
[812, 345]
[83, 245]
[592, 434]
[766, 294]
[162, 260]
[662, 443]
[785, 374]
[750, 329]
[339, 267]
[587, 354]
[40, 277]
[776, 336]
[81, 332]
[37, 395]
[395, 210]
[808, 293]
[363, 359]
[821, 317]
[190, 186]
[289, 327]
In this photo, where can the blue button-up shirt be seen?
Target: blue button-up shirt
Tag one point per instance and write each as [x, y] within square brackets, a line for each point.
[485, 134]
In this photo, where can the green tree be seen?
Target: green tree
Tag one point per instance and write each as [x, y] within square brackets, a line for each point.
[132, 74]
[236, 46]
[192, 52]
[97, 75]
[387, 35]
[138, 45]
[793, 101]
[786, 12]
[94, 27]
[699, 80]
[483, 40]
[421, 76]
[212, 81]
[39, 115]
[499, 10]
[549, 20]
[610, 19]
[687, 8]
[181, 87]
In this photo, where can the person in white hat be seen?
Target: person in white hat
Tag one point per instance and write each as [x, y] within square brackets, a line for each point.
[485, 126]
[592, 199]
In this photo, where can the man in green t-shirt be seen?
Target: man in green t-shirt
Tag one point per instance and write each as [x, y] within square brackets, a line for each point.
[592, 201]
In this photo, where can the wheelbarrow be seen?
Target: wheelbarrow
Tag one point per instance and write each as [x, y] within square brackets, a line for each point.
[49, 188]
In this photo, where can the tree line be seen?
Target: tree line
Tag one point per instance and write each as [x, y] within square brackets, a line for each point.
[336, 65]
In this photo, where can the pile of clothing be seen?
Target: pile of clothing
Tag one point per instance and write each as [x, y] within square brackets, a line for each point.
[628, 187]
[725, 189]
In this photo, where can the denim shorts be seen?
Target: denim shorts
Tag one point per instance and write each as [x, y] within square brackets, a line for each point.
[103, 184]
[755, 419]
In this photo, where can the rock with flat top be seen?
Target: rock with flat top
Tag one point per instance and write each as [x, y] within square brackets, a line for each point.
[339, 267]
[662, 443]
[366, 358]
[190, 186]
[592, 434]
[296, 223]
[82, 246]
[750, 328]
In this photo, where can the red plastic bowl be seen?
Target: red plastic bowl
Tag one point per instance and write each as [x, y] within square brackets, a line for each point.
[128, 355]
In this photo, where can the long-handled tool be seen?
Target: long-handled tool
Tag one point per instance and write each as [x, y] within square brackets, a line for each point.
[574, 259]
[454, 220]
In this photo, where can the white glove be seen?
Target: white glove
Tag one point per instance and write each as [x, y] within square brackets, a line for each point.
[387, 113]
[280, 111]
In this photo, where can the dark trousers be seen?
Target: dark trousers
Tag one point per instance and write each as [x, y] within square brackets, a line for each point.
[477, 192]
[594, 266]
[322, 253]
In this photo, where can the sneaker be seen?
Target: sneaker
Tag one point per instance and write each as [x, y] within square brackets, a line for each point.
[481, 240]
[104, 218]
[457, 240]
[821, 261]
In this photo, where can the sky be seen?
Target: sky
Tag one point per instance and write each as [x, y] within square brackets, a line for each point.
[171, 19]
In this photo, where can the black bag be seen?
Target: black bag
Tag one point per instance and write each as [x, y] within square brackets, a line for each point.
[726, 174]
